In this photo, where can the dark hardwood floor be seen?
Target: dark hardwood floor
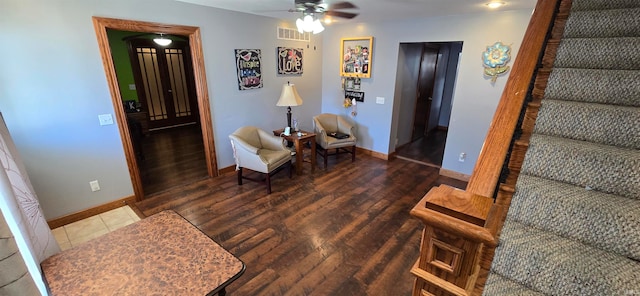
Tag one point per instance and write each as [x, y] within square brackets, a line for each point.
[172, 157]
[429, 149]
[341, 231]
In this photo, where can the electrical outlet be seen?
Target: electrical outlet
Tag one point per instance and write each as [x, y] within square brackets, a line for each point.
[462, 157]
[95, 186]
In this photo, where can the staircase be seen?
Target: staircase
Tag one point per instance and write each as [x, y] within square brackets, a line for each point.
[573, 226]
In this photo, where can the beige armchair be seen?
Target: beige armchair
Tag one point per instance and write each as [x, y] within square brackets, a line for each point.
[323, 126]
[259, 151]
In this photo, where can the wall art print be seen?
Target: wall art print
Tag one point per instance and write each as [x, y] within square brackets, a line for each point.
[249, 66]
[495, 60]
[356, 55]
[289, 61]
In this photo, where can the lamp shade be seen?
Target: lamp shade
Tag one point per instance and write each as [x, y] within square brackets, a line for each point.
[289, 96]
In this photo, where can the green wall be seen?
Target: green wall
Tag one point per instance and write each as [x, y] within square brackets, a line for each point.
[121, 61]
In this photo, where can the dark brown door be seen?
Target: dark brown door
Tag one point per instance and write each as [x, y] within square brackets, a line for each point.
[164, 82]
[426, 78]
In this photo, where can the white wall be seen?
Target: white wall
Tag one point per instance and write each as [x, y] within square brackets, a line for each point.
[53, 86]
[475, 97]
[450, 82]
[406, 84]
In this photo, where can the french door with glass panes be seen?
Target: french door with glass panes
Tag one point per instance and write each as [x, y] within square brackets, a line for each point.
[164, 82]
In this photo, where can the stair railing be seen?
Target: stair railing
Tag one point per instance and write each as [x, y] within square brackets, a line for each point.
[462, 226]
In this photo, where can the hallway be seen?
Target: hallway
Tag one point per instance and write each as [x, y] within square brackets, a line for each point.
[426, 150]
[172, 157]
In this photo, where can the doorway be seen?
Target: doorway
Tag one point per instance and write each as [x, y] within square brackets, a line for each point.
[203, 111]
[428, 78]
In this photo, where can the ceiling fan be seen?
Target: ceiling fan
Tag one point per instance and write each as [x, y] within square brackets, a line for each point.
[312, 9]
[317, 7]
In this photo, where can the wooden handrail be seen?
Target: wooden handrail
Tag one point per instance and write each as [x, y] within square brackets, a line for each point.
[484, 177]
[455, 212]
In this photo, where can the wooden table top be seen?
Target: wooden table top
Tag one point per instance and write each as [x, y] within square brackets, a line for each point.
[294, 135]
[163, 254]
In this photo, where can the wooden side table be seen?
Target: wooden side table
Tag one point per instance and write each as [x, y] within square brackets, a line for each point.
[298, 142]
[163, 254]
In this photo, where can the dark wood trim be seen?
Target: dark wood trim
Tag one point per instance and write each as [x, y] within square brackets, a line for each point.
[360, 150]
[225, 170]
[454, 175]
[64, 220]
[442, 128]
[101, 25]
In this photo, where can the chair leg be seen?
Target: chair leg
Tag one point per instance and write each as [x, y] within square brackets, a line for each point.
[268, 180]
[353, 153]
[239, 176]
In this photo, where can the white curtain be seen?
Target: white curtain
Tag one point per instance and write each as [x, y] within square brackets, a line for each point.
[22, 211]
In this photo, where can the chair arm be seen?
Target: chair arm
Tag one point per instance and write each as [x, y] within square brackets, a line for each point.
[321, 133]
[345, 127]
[240, 143]
[271, 142]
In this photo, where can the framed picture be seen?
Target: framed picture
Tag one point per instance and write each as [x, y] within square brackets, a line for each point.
[249, 66]
[351, 83]
[356, 57]
[289, 61]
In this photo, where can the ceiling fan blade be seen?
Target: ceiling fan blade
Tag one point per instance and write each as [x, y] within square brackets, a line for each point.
[342, 5]
[347, 15]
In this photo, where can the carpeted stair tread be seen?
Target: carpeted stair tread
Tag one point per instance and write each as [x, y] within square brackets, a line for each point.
[556, 265]
[498, 285]
[602, 220]
[578, 5]
[598, 123]
[599, 53]
[592, 24]
[604, 168]
[618, 87]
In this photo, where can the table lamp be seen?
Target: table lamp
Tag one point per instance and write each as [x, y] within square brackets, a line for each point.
[289, 97]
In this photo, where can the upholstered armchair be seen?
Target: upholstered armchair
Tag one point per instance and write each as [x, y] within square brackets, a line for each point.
[326, 124]
[259, 151]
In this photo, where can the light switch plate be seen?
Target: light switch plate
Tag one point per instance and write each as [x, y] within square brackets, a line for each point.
[380, 100]
[105, 119]
[132, 87]
[95, 186]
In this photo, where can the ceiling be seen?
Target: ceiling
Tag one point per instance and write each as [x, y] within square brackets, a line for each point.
[370, 10]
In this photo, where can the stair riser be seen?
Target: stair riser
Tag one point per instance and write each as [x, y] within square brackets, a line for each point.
[599, 53]
[609, 125]
[603, 168]
[579, 5]
[596, 86]
[597, 219]
[598, 24]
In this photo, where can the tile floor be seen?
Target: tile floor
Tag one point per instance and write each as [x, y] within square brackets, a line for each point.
[81, 231]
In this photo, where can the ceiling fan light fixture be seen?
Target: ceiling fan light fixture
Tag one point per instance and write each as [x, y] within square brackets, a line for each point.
[300, 25]
[162, 41]
[317, 27]
[309, 24]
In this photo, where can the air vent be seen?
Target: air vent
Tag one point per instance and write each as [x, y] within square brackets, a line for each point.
[293, 34]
